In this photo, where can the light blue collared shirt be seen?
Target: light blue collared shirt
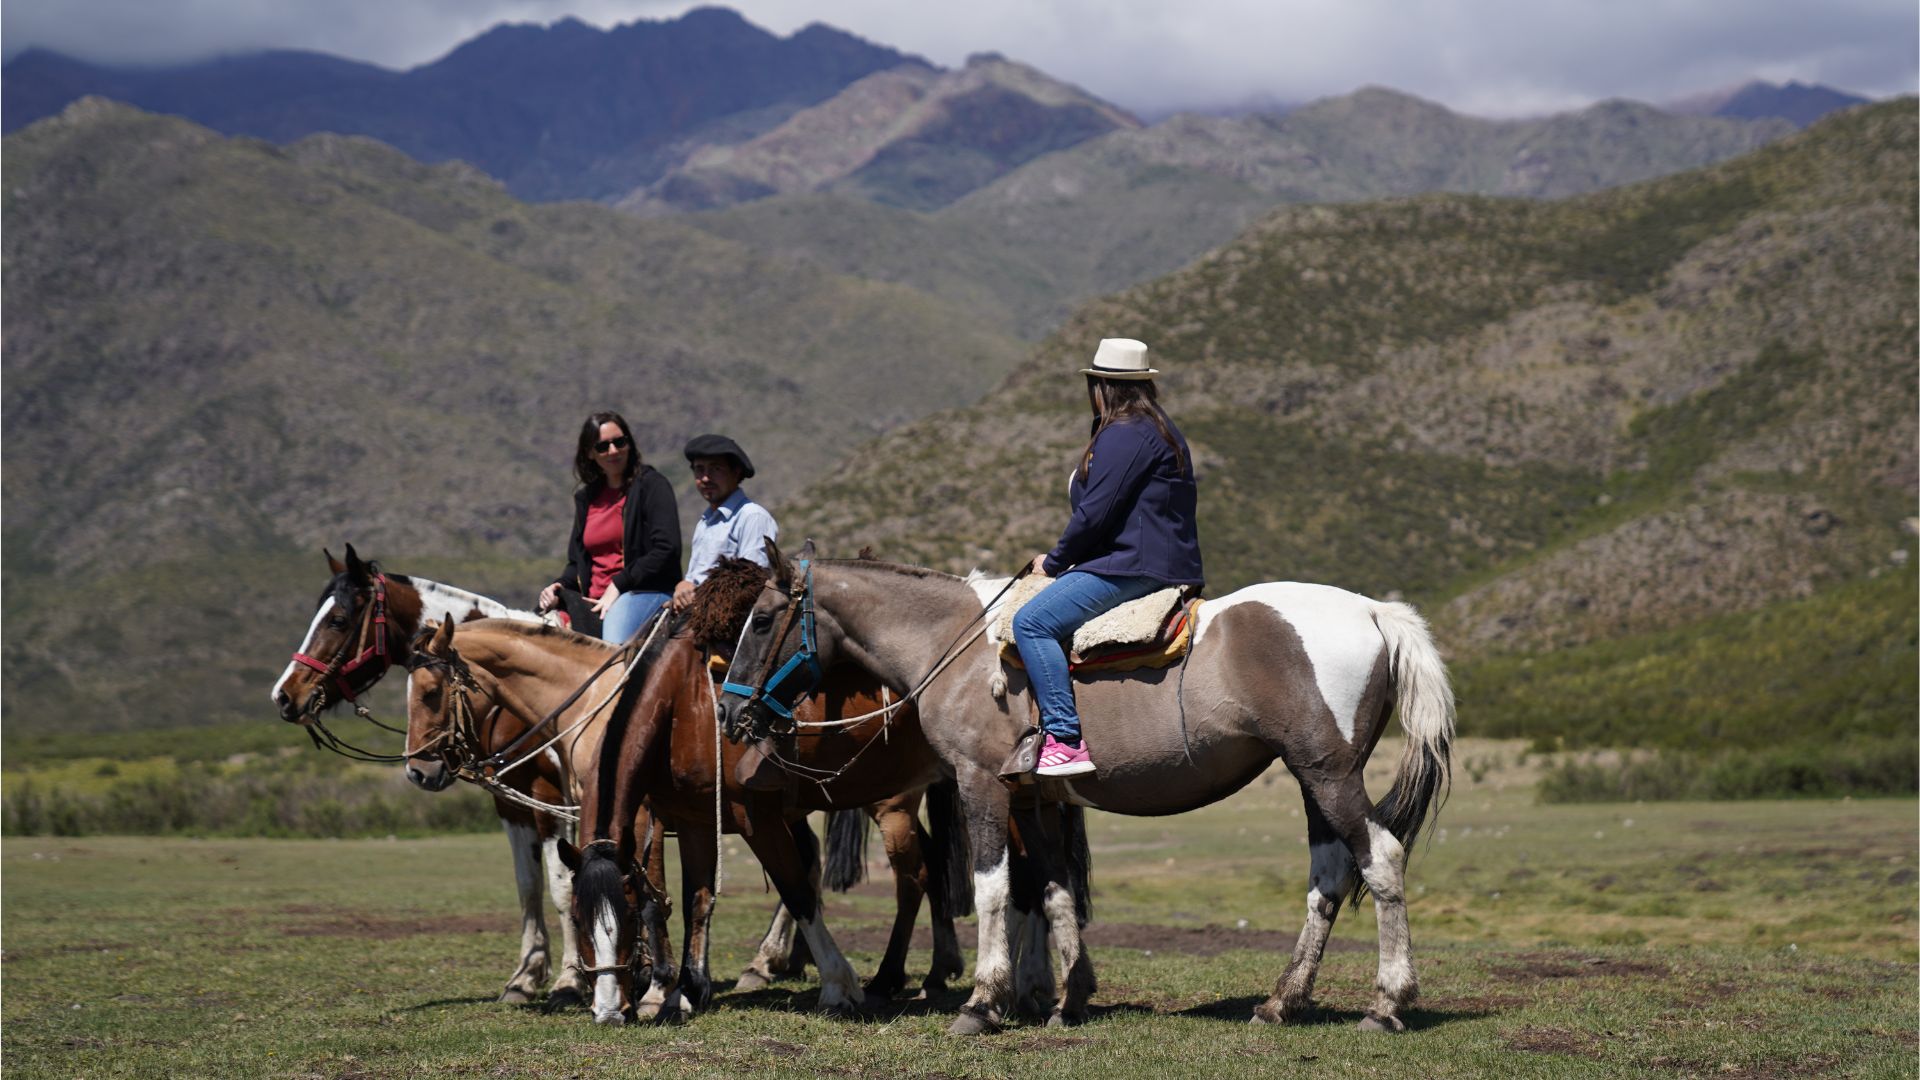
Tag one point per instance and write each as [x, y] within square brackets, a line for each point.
[738, 527]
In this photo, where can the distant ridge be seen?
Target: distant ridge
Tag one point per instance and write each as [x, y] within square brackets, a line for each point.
[555, 112]
[1797, 102]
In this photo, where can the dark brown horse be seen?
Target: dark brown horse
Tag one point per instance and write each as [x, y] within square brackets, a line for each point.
[526, 672]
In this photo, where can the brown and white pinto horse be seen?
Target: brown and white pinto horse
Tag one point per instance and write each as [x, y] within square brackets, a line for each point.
[1308, 674]
[663, 753]
[362, 625]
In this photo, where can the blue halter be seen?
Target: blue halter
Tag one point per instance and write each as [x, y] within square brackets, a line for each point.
[808, 658]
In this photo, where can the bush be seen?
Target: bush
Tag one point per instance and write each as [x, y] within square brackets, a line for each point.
[1809, 770]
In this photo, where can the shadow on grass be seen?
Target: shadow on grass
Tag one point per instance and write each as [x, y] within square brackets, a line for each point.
[443, 1002]
[1239, 1010]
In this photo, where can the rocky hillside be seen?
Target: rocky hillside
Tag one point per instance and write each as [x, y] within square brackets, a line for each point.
[1549, 422]
[1137, 203]
[222, 354]
[911, 136]
[564, 111]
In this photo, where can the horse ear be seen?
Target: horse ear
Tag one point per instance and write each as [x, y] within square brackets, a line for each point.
[777, 562]
[806, 550]
[355, 568]
[442, 643]
[334, 564]
[569, 855]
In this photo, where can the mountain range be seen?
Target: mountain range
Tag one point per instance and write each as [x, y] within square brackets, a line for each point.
[1552, 423]
[223, 354]
[565, 111]
[1796, 102]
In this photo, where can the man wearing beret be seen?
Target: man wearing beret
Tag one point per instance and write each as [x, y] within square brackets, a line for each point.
[733, 524]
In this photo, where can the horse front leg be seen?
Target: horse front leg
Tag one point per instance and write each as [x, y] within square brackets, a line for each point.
[1061, 914]
[699, 855]
[523, 837]
[571, 988]
[792, 862]
[985, 800]
[653, 958]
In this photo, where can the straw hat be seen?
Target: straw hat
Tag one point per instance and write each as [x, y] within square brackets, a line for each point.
[1121, 358]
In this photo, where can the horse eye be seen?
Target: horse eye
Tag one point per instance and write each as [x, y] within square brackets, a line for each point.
[762, 621]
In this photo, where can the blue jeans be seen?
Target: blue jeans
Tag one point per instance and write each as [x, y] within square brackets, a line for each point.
[1044, 627]
[629, 613]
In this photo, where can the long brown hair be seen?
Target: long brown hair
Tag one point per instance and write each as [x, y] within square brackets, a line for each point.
[1114, 400]
[587, 469]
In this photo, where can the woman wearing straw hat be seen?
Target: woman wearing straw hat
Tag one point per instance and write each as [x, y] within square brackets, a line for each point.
[1132, 532]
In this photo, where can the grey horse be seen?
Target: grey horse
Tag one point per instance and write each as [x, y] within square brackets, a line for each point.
[1309, 674]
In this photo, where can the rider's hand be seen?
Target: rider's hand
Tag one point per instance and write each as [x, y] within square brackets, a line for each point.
[549, 597]
[682, 596]
[605, 603]
[1038, 565]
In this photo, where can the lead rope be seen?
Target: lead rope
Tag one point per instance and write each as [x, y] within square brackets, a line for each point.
[595, 711]
[719, 834]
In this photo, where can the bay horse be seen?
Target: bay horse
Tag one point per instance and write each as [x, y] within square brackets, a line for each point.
[363, 624]
[517, 674]
[1308, 674]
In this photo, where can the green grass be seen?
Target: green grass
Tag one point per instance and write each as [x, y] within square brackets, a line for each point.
[1755, 939]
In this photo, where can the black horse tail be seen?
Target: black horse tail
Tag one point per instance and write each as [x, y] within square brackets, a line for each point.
[846, 849]
[1073, 822]
[948, 858]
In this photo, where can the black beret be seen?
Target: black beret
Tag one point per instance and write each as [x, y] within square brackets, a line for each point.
[719, 446]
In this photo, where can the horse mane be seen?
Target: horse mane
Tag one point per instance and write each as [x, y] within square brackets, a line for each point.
[923, 572]
[722, 602]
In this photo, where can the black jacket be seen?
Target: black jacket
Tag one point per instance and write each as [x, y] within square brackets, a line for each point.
[650, 541]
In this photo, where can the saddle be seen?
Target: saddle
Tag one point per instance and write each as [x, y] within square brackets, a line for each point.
[1153, 631]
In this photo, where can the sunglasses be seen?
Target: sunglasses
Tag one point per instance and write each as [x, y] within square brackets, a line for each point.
[618, 442]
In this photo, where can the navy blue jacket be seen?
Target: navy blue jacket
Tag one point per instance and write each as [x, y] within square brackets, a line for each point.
[1134, 515]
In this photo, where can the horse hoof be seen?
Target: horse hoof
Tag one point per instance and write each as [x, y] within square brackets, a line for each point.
[513, 995]
[1062, 1020]
[565, 997]
[970, 1022]
[1376, 1022]
[750, 981]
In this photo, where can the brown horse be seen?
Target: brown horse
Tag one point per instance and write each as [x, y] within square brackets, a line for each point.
[524, 673]
[363, 624]
[1306, 674]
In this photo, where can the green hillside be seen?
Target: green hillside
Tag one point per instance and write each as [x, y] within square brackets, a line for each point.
[1551, 424]
[223, 354]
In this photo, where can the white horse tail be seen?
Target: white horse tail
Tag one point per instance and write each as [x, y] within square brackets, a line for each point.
[1425, 699]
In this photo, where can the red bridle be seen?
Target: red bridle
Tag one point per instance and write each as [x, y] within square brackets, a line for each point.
[355, 677]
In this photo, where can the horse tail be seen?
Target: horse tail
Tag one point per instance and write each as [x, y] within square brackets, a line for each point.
[1426, 714]
[1073, 822]
[949, 863]
[846, 849]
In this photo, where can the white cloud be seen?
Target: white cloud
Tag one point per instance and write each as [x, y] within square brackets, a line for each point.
[1492, 57]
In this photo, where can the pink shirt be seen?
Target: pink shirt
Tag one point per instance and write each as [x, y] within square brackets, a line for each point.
[605, 538]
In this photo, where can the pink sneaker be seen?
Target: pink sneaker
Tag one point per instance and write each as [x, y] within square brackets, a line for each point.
[1059, 759]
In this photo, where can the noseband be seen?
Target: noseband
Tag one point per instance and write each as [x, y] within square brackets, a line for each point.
[464, 745]
[804, 664]
[353, 678]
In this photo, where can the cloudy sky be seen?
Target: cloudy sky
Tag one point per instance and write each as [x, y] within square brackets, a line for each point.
[1489, 57]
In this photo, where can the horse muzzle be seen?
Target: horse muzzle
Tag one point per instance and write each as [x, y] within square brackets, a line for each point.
[429, 774]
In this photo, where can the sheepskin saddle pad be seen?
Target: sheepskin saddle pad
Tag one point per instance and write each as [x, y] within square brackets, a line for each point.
[1152, 631]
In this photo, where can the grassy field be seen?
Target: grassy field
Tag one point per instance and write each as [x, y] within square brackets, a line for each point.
[1760, 939]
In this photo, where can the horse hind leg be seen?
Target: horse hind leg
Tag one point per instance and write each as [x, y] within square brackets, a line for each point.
[898, 829]
[770, 960]
[571, 988]
[1332, 878]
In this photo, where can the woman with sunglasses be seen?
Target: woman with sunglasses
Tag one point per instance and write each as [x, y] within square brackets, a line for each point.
[623, 557]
